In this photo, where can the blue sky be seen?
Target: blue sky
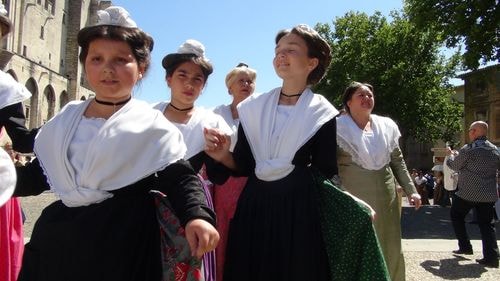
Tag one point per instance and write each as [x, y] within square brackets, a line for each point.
[232, 32]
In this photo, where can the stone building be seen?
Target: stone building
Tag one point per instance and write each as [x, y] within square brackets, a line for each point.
[41, 52]
[480, 95]
[482, 99]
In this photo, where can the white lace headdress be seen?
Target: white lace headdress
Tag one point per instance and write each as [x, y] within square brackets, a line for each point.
[115, 15]
[192, 46]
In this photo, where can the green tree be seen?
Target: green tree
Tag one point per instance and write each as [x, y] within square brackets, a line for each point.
[473, 23]
[404, 65]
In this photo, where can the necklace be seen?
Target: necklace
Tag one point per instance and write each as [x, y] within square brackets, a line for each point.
[112, 103]
[180, 109]
[290, 96]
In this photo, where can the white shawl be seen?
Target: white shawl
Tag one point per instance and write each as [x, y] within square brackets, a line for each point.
[192, 131]
[11, 91]
[371, 151]
[132, 144]
[257, 116]
[8, 177]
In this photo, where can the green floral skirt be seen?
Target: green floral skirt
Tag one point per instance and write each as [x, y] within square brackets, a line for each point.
[352, 246]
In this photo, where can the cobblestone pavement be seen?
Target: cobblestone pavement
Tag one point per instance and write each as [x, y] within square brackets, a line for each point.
[427, 243]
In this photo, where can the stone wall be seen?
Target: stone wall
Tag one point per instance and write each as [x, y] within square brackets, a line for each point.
[42, 52]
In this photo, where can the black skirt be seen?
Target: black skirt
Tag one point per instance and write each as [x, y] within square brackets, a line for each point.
[276, 233]
[117, 239]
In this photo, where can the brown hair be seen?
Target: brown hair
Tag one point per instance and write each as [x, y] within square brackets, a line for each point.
[317, 48]
[5, 25]
[172, 61]
[350, 90]
[140, 42]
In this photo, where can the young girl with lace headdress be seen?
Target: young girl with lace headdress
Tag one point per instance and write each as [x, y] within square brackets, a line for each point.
[187, 71]
[102, 157]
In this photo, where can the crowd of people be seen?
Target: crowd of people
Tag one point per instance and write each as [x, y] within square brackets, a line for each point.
[274, 186]
[431, 186]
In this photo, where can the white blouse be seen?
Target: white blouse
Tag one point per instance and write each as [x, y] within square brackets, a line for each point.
[78, 148]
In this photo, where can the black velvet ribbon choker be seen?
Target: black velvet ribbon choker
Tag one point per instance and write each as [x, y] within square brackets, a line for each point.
[180, 109]
[112, 103]
[290, 96]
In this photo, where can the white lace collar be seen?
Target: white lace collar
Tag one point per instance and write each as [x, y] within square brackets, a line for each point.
[371, 151]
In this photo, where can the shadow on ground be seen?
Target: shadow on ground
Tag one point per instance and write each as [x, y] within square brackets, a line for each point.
[452, 269]
[433, 222]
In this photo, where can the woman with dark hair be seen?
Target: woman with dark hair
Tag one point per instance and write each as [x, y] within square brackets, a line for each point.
[187, 72]
[103, 157]
[286, 146]
[370, 164]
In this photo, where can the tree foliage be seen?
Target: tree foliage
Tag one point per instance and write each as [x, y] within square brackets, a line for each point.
[404, 66]
[473, 23]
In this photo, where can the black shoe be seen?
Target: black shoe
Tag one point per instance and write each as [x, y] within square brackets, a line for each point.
[489, 263]
[463, 252]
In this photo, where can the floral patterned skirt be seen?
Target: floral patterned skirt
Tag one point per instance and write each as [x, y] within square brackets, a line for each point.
[177, 262]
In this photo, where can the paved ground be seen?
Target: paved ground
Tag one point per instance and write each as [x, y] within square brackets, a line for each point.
[427, 243]
[428, 240]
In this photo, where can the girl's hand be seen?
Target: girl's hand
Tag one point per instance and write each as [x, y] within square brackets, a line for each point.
[217, 144]
[201, 236]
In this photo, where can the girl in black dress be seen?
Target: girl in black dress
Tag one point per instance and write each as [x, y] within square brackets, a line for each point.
[186, 75]
[275, 233]
[290, 222]
[102, 157]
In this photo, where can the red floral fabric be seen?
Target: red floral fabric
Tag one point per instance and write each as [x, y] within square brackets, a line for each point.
[177, 262]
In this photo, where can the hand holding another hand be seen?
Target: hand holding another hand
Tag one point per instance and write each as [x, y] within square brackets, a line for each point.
[217, 143]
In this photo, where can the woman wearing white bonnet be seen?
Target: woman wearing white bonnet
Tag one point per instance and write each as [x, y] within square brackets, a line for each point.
[7, 171]
[12, 94]
[12, 118]
[104, 158]
[187, 72]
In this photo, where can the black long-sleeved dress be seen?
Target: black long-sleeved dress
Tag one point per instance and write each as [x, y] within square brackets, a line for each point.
[117, 239]
[216, 172]
[12, 118]
[276, 233]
